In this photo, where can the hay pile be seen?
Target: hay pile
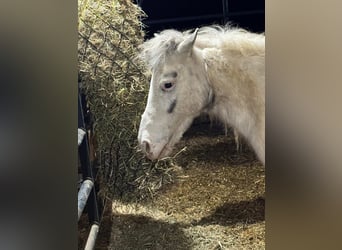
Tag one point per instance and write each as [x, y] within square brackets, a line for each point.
[116, 88]
[218, 201]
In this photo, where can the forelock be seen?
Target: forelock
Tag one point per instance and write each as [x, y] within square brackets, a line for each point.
[153, 51]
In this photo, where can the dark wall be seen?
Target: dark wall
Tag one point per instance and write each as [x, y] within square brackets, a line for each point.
[185, 14]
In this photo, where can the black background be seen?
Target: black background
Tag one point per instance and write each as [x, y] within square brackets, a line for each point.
[181, 15]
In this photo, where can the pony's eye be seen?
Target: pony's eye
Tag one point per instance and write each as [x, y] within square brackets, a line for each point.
[167, 86]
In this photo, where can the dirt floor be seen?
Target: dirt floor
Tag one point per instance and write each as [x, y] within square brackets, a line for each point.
[217, 202]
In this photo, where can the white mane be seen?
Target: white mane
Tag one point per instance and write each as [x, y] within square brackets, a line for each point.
[166, 42]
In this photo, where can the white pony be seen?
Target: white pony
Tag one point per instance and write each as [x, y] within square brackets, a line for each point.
[217, 70]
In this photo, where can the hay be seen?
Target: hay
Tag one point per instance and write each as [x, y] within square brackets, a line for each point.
[116, 89]
[217, 203]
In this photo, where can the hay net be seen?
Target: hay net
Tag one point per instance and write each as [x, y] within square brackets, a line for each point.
[116, 88]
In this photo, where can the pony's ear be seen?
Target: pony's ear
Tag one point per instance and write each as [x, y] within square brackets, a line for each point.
[187, 45]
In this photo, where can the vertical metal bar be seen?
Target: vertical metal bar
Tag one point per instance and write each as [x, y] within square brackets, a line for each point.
[139, 2]
[92, 237]
[80, 135]
[225, 8]
[93, 210]
[83, 195]
[84, 159]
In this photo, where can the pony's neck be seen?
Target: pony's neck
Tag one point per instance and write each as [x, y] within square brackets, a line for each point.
[239, 89]
[232, 88]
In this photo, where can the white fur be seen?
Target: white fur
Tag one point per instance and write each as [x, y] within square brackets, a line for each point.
[223, 62]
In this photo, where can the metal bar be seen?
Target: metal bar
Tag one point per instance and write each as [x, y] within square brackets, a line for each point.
[225, 10]
[84, 159]
[92, 237]
[87, 173]
[83, 195]
[84, 146]
[139, 2]
[194, 18]
[87, 192]
[80, 135]
[80, 111]
[93, 208]
[87, 170]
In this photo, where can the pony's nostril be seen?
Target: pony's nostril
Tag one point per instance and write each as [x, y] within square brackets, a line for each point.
[146, 147]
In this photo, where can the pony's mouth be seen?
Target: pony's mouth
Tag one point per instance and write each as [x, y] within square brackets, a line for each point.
[166, 151]
[164, 148]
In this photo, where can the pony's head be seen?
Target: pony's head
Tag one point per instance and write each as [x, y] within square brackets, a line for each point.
[179, 91]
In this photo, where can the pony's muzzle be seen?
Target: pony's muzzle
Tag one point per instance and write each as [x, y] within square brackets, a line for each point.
[146, 147]
[151, 151]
